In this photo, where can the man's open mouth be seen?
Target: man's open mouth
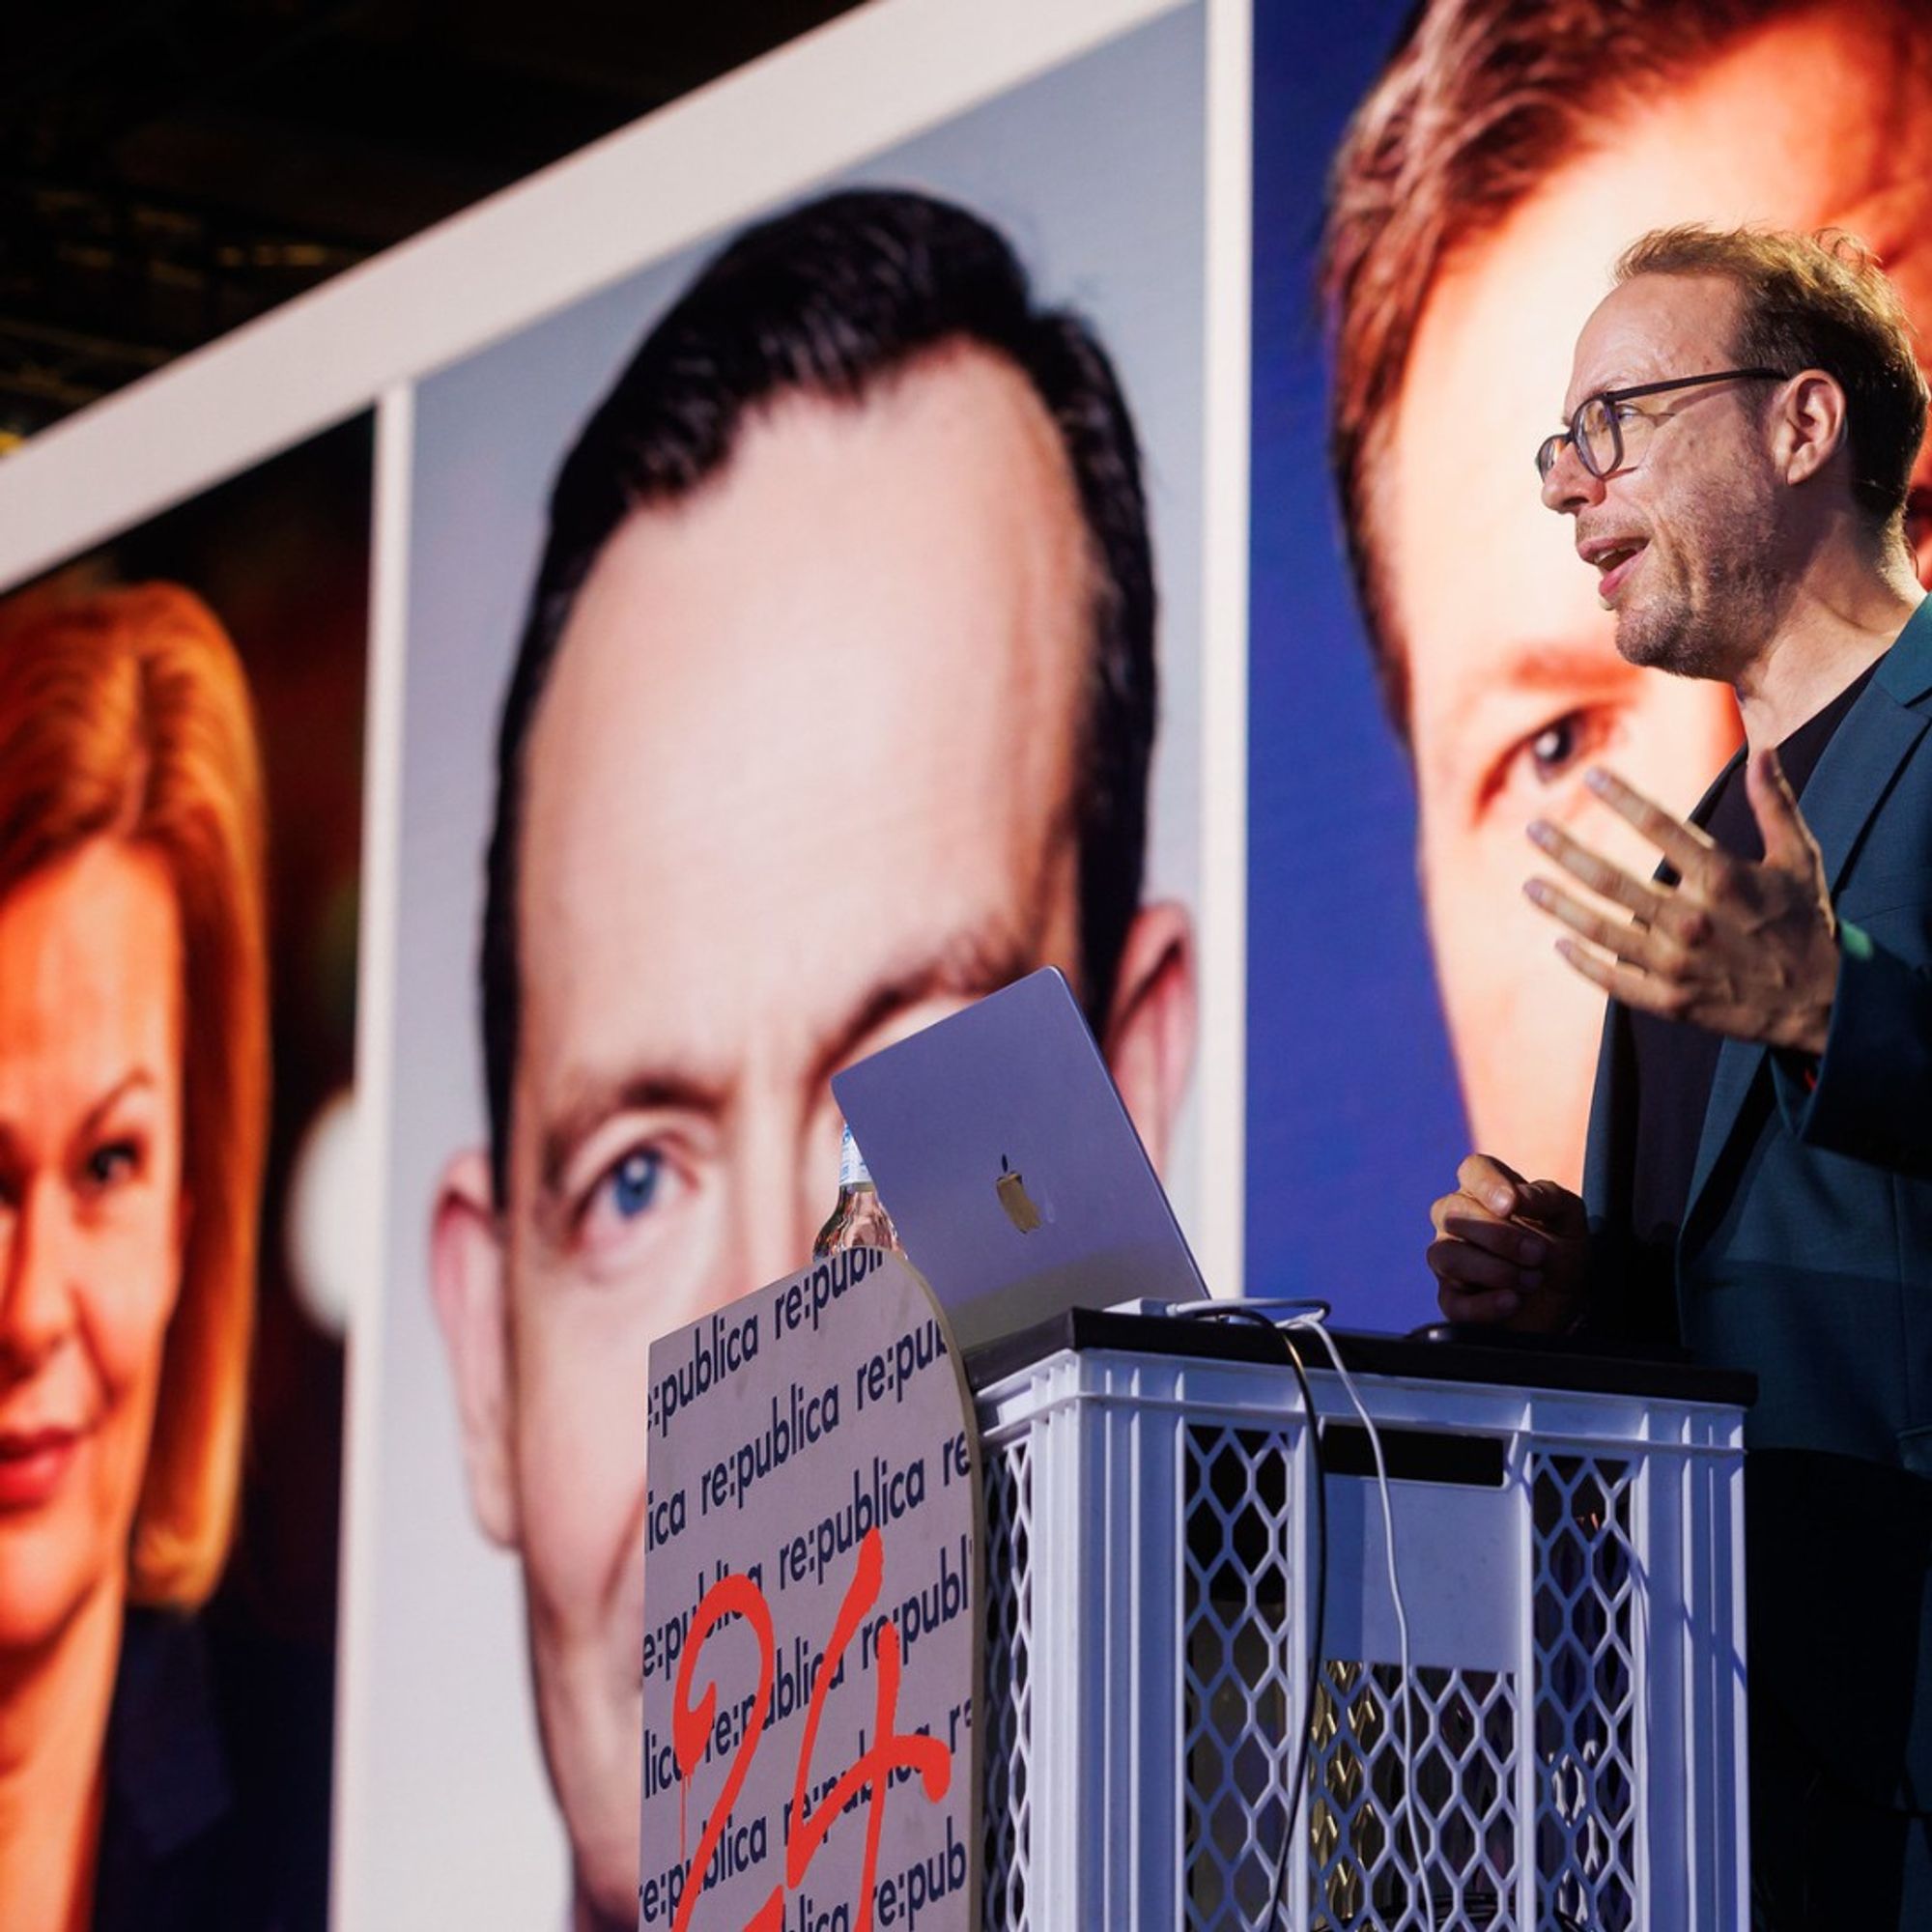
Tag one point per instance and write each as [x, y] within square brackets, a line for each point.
[1613, 562]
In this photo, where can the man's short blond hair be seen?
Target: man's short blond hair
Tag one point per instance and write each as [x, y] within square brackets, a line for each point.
[1481, 104]
[1815, 301]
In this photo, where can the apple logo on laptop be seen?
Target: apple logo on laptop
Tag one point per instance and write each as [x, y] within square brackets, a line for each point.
[1014, 1198]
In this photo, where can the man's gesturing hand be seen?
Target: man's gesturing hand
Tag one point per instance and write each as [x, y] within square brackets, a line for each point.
[1508, 1250]
[1741, 949]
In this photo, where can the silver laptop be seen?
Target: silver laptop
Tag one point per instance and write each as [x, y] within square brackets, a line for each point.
[1007, 1160]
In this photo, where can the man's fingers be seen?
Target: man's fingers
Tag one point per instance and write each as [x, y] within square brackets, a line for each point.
[1596, 871]
[1557, 1206]
[1461, 1305]
[1470, 1226]
[1471, 1268]
[1487, 1267]
[1626, 939]
[1482, 1178]
[1652, 994]
[1685, 847]
[1463, 1207]
[1787, 839]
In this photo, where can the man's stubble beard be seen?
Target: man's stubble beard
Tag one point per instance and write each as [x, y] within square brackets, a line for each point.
[1715, 617]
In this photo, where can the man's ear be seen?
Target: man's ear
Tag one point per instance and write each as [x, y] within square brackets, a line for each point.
[1809, 428]
[1150, 1022]
[467, 1281]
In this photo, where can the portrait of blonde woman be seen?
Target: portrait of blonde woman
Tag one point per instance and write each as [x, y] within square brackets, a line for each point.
[134, 1092]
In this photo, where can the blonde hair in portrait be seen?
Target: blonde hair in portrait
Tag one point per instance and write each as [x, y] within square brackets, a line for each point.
[124, 715]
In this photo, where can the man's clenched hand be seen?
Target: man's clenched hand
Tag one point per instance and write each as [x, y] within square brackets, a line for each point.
[1507, 1250]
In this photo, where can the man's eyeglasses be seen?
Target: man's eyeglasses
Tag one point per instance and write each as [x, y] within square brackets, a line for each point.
[1596, 432]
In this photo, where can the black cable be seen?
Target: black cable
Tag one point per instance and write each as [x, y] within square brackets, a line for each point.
[1232, 1310]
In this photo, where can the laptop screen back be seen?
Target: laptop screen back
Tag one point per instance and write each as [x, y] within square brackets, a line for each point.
[1003, 1151]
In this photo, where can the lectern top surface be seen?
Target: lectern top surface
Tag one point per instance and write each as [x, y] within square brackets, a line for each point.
[1498, 1358]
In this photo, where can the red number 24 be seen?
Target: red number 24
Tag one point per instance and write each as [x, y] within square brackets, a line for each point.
[891, 1751]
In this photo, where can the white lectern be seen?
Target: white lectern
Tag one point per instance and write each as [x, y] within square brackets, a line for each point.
[1566, 1748]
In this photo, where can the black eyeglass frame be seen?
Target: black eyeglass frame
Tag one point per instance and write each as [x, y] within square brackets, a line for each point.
[1552, 446]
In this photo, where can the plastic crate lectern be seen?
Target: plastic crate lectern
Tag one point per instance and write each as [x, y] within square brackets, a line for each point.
[1567, 1749]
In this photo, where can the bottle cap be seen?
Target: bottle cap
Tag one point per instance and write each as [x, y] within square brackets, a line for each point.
[852, 1169]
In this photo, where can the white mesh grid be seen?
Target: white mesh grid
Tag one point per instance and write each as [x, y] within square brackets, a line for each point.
[1237, 1672]
[1355, 1855]
[1008, 1718]
[1583, 1626]
[1361, 1857]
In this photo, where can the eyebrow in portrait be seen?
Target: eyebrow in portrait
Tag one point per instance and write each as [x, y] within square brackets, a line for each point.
[590, 1099]
[967, 965]
[963, 965]
[137, 1080]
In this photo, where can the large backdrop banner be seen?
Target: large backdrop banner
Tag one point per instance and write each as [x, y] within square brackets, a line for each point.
[990, 485]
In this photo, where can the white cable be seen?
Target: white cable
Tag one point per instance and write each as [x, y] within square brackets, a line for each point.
[1257, 1304]
[1314, 1323]
[1299, 1313]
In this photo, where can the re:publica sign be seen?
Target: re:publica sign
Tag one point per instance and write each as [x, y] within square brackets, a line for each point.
[811, 1632]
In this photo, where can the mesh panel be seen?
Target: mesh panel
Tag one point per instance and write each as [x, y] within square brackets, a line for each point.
[1008, 1716]
[1583, 1612]
[1237, 1672]
[1356, 1855]
[1361, 1852]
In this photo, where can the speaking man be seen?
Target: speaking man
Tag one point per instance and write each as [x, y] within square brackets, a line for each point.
[1500, 163]
[1738, 439]
[833, 712]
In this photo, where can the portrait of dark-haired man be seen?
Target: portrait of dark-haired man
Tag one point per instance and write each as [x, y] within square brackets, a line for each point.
[831, 711]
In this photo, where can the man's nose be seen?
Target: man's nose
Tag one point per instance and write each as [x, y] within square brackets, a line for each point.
[37, 1261]
[1569, 487]
[777, 1205]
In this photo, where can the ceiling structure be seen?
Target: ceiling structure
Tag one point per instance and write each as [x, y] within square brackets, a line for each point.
[171, 168]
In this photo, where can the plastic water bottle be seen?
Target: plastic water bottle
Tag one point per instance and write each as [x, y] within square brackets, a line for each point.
[859, 1218]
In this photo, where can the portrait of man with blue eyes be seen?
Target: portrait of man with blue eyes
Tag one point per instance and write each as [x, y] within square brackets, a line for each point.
[832, 711]
[1495, 170]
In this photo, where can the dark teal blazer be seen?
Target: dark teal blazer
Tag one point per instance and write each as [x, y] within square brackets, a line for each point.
[1805, 1257]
